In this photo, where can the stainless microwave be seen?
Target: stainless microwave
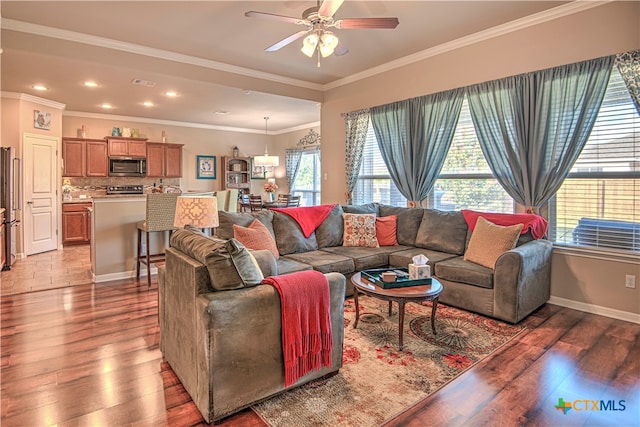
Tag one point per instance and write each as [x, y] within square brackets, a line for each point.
[127, 166]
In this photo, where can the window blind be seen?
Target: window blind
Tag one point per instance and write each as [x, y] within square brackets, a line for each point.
[598, 205]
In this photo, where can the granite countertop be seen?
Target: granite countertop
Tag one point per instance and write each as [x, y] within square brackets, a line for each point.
[119, 196]
[87, 200]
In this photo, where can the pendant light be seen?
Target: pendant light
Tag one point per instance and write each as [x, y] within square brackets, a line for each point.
[266, 161]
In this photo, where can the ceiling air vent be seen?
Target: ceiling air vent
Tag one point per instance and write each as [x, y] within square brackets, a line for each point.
[143, 82]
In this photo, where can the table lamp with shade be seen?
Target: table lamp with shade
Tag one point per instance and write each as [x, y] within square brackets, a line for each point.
[197, 211]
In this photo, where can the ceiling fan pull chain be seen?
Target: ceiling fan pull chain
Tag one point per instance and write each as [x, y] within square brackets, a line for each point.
[318, 50]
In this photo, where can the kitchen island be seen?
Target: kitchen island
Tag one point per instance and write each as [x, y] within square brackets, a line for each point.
[114, 236]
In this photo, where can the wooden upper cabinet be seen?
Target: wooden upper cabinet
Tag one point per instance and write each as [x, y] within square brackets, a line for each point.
[97, 159]
[164, 160]
[84, 157]
[155, 159]
[73, 155]
[173, 161]
[128, 147]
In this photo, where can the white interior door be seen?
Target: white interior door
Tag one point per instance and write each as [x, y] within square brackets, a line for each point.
[40, 210]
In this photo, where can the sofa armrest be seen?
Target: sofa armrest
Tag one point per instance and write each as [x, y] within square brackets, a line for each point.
[239, 353]
[522, 280]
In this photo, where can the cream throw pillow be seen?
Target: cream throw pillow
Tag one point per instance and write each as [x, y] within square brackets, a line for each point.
[489, 241]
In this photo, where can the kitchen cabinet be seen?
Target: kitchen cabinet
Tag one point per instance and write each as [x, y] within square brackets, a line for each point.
[164, 160]
[76, 223]
[127, 147]
[237, 174]
[84, 157]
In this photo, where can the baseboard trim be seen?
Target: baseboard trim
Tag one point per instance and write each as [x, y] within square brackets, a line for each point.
[122, 275]
[596, 309]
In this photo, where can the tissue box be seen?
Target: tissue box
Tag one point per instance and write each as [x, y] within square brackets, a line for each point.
[419, 272]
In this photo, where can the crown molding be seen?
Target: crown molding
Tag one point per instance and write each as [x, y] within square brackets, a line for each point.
[34, 99]
[41, 30]
[519, 24]
[114, 117]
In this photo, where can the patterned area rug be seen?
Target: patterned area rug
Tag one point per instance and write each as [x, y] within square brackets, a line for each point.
[377, 381]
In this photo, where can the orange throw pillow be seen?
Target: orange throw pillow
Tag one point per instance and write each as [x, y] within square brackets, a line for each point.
[256, 237]
[386, 228]
[489, 241]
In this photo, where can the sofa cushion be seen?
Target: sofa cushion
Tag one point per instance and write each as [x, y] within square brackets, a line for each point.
[442, 231]
[402, 258]
[365, 258]
[359, 230]
[289, 236]
[230, 264]
[325, 262]
[386, 230]
[489, 241]
[461, 271]
[329, 233]
[408, 222]
[362, 209]
[256, 236]
[228, 219]
[286, 265]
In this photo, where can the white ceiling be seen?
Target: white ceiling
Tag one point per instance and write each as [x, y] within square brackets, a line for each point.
[213, 55]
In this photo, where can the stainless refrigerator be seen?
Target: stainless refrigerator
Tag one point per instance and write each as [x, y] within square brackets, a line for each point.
[10, 200]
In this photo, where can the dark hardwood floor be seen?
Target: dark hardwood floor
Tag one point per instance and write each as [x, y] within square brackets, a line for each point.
[88, 355]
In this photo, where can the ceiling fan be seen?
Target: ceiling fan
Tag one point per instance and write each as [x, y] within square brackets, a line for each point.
[318, 20]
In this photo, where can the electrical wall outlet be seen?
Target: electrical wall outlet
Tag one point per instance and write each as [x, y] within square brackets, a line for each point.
[630, 281]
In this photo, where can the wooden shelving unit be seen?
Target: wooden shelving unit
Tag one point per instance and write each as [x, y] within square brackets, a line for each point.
[237, 173]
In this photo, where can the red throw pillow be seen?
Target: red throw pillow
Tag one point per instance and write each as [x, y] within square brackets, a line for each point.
[386, 227]
[256, 237]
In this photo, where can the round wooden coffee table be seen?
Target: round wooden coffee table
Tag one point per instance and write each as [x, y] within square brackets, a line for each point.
[401, 296]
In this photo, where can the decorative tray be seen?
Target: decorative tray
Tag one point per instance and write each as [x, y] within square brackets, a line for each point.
[402, 278]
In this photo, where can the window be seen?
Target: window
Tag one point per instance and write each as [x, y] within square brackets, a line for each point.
[598, 204]
[374, 183]
[465, 181]
[307, 184]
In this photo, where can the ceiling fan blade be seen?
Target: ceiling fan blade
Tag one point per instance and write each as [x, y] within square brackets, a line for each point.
[272, 17]
[340, 50]
[284, 42]
[329, 7]
[375, 23]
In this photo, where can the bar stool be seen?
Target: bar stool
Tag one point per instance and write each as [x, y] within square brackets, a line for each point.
[160, 210]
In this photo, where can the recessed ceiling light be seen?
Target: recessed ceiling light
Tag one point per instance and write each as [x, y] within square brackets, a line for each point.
[222, 112]
[147, 104]
[40, 87]
[171, 94]
[90, 84]
[106, 106]
[247, 92]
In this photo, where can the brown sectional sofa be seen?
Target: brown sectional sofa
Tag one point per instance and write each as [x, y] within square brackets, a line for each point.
[209, 337]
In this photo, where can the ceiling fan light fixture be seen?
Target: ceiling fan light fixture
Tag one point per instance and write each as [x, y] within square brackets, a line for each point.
[309, 44]
[328, 43]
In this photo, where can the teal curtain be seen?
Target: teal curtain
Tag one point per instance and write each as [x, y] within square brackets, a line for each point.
[532, 127]
[414, 137]
[628, 64]
[356, 125]
[292, 158]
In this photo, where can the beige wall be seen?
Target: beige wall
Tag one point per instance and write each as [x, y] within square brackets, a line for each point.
[17, 120]
[603, 30]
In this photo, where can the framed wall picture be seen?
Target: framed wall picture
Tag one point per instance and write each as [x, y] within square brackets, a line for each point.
[258, 172]
[206, 167]
[41, 120]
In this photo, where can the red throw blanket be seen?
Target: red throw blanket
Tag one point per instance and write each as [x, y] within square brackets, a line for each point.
[535, 223]
[307, 339]
[308, 217]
